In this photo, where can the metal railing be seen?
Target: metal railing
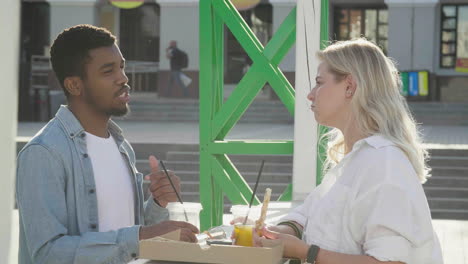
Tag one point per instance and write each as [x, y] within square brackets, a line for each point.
[142, 75]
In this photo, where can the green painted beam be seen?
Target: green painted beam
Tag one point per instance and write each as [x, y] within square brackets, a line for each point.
[283, 39]
[252, 147]
[224, 179]
[239, 28]
[211, 79]
[218, 176]
[238, 102]
[245, 92]
[283, 89]
[231, 172]
[287, 194]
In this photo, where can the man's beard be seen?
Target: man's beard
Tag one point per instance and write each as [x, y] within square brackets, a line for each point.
[118, 112]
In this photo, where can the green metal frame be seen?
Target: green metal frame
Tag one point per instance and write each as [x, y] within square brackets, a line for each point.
[218, 175]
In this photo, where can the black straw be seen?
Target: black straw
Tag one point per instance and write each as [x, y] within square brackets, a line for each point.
[174, 188]
[255, 190]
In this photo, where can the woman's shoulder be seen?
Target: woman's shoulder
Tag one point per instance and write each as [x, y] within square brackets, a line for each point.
[381, 160]
[379, 150]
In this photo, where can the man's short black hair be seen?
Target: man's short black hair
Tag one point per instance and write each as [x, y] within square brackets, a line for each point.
[69, 52]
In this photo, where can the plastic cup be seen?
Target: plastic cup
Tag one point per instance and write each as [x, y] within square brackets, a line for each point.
[243, 235]
[176, 212]
[239, 212]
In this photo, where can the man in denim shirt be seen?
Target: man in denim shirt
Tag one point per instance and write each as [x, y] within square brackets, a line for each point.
[78, 203]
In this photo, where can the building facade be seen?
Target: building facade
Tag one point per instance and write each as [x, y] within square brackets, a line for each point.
[421, 35]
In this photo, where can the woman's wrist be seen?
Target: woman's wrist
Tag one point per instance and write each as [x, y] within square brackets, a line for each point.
[302, 251]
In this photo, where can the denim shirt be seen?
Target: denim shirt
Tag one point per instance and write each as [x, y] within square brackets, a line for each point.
[57, 201]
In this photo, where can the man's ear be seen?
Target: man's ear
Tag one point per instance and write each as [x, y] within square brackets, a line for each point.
[73, 85]
[350, 86]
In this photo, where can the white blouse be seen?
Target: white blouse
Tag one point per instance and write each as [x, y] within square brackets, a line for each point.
[371, 203]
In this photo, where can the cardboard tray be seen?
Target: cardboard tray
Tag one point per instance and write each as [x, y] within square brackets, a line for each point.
[169, 248]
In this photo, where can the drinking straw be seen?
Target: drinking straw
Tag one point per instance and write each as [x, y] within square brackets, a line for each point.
[254, 191]
[175, 190]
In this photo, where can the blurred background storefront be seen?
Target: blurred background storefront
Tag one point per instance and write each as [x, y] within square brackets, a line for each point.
[427, 38]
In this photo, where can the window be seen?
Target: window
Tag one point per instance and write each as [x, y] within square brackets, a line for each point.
[371, 23]
[454, 35]
[139, 41]
[260, 20]
[139, 32]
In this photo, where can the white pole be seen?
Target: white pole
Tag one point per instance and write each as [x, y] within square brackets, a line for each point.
[9, 52]
[305, 126]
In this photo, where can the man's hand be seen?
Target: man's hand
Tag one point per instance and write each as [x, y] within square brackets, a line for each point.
[160, 187]
[187, 231]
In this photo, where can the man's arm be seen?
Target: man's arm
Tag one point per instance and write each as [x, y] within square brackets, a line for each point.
[169, 53]
[43, 211]
[154, 213]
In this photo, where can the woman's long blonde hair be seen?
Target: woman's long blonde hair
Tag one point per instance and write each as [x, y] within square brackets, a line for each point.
[377, 104]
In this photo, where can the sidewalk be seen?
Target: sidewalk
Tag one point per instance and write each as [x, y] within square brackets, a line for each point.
[188, 133]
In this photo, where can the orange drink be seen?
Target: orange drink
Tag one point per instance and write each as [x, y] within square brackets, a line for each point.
[243, 235]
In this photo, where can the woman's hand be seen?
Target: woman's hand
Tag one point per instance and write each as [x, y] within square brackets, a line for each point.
[293, 246]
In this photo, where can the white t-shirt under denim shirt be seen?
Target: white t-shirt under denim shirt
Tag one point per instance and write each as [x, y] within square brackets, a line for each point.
[371, 203]
[114, 187]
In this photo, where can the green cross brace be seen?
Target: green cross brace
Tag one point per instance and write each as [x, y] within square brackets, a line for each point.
[218, 175]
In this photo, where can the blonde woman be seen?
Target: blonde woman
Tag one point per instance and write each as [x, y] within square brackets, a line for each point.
[370, 207]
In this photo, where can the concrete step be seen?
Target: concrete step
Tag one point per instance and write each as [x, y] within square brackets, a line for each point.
[275, 112]
[194, 156]
[415, 107]
[254, 110]
[449, 161]
[260, 111]
[439, 105]
[278, 188]
[241, 166]
[194, 104]
[195, 197]
[456, 214]
[448, 152]
[448, 203]
[267, 177]
[143, 150]
[442, 121]
[260, 114]
[248, 120]
[184, 117]
[447, 181]
[445, 192]
[433, 113]
[449, 171]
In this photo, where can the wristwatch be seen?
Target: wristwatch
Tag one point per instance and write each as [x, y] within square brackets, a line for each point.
[312, 254]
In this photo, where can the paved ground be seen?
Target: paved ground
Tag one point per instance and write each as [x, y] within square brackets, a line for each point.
[453, 234]
[188, 133]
